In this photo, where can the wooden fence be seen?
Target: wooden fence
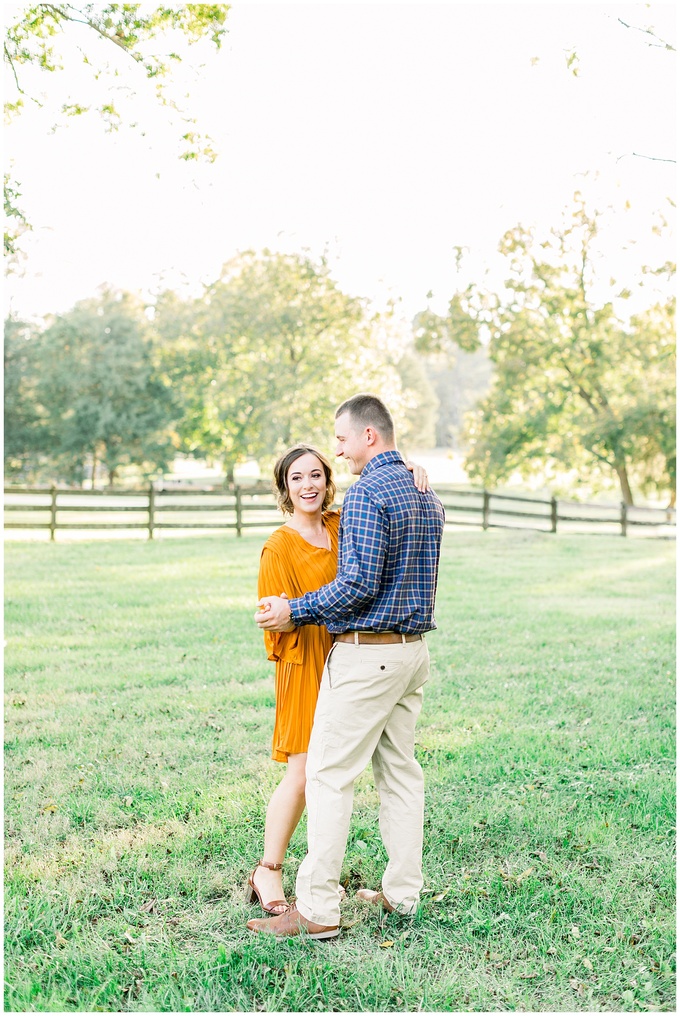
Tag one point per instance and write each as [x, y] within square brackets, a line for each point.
[244, 507]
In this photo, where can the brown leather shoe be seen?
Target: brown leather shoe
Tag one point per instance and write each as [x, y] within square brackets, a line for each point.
[291, 924]
[376, 898]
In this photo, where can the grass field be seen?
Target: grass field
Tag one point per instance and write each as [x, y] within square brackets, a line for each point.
[139, 710]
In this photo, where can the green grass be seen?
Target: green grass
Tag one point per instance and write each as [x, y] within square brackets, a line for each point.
[139, 710]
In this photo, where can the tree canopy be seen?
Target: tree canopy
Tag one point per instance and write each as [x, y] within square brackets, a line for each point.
[262, 358]
[255, 363]
[85, 390]
[578, 384]
[150, 37]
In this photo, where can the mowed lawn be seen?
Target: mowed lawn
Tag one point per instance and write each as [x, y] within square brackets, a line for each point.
[139, 709]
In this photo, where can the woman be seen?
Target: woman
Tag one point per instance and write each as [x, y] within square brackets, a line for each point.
[300, 556]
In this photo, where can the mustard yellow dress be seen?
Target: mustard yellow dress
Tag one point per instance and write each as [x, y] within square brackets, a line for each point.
[291, 565]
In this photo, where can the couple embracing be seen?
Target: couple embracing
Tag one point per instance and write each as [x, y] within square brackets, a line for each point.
[348, 637]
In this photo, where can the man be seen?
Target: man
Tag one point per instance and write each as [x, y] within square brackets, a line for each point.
[378, 609]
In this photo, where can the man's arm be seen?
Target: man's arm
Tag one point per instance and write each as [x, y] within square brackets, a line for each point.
[364, 541]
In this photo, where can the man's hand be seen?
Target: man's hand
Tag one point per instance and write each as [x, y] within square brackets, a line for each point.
[274, 614]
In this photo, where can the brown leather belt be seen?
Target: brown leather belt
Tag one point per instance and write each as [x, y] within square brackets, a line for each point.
[375, 638]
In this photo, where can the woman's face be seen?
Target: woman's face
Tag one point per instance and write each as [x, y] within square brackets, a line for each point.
[306, 482]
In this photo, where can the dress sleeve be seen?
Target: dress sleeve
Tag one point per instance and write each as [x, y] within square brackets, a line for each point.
[272, 581]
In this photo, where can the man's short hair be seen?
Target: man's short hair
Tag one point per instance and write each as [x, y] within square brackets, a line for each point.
[369, 411]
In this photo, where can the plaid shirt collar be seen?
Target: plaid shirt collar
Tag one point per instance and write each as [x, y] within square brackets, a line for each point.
[382, 459]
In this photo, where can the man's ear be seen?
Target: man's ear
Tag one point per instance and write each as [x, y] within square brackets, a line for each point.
[371, 436]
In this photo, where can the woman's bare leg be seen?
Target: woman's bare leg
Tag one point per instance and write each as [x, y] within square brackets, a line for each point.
[283, 814]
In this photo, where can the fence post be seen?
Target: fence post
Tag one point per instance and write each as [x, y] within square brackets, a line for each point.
[152, 509]
[485, 510]
[624, 518]
[239, 510]
[53, 513]
[553, 514]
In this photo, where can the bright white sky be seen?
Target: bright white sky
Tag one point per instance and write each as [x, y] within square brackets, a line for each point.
[387, 133]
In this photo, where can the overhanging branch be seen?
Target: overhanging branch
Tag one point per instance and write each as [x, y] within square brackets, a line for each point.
[639, 155]
[659, 44]
[14, 72]
[60, 12]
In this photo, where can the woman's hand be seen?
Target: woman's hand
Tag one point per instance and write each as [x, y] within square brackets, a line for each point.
[274, 613]
[420, 477]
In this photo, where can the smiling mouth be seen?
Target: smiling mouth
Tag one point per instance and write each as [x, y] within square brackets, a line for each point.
[308, 497]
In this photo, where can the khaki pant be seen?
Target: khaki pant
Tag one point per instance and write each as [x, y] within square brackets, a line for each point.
[369, 701]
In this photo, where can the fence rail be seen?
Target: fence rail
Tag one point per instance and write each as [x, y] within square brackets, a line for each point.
[242, 508]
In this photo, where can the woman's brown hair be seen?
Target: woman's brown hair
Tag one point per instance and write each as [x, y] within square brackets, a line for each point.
[281, 472]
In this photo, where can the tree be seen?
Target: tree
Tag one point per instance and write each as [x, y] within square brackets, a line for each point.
[460, 382]
[654, 40]
[263, 357]
[103, 399]
[419, 430]
[137, 31]
[456, 363]
[653, 415]
[27, 439]
[16, 223]
[576, 386]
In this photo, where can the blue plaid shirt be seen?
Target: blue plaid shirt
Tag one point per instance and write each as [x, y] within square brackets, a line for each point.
[389, 544]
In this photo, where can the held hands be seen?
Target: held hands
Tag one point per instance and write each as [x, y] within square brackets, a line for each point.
[274, 614]
[420, 477]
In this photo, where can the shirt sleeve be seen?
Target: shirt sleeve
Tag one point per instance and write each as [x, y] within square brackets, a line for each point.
[364, 546]
[272, 581]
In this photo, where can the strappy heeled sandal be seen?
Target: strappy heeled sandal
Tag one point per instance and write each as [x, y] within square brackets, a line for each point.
[276, 907]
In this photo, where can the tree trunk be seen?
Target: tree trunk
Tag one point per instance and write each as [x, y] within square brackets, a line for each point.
[112, 476]
[671, 469]
[94, 465]
[622, 474]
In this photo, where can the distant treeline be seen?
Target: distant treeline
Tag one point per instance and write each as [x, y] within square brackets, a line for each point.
[538, 378]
